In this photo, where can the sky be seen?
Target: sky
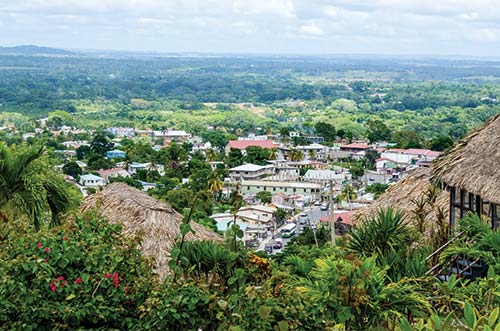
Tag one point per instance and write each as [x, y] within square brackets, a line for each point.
[430, 27]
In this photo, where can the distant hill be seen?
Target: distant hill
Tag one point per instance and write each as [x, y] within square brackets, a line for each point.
[33, 50]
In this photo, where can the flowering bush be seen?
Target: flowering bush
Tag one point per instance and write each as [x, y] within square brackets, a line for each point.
[84, 274]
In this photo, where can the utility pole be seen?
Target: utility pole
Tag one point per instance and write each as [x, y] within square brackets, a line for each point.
[332, 217]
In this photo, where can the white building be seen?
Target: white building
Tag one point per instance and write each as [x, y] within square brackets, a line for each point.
[302, 188]
[134, 166]
[325, 176]
[90, 180]
[250, 172]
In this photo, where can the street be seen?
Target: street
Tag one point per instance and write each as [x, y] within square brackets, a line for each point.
[310, 215]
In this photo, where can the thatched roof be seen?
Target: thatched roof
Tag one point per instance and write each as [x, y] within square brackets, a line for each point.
[156, 222]
[402, 196]
[473, 164]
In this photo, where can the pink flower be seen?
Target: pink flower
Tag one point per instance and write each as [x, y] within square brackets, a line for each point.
[64, 238]
[60, 278]
[78, 280]
[46, 260]
[47, 249]
[108, 276]
[39, 245]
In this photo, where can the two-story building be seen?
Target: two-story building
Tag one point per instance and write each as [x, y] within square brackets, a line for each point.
[250, 172]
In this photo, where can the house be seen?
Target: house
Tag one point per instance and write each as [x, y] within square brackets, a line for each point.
[75, 143]
[342, 219]
[91, 180]
[134, 166]
[409, 156]
[250, 171]
[324, 177]
[122, 132]
[116, 154]
[244, 144]
[355, 147]
[257, 214]
[302, 188]
[176, 135]
[314, 151]
[285, 201]
[114, 172]
[469, 172]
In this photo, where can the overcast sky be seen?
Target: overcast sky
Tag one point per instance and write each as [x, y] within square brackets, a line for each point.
[463, 27]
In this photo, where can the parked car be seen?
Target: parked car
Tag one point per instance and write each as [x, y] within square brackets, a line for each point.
[278, 244]
[269, 248]
[303, 221]
[317, 203]
[303, 214]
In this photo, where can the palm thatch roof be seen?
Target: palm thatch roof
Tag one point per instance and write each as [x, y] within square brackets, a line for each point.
[156, 222]
[473, 164]
[406, 196]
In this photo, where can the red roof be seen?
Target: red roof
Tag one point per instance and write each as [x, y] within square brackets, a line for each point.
[356, 146]
[345, 217]
[243, 144]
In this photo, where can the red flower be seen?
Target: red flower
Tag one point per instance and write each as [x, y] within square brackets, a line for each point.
[78, 280]
[39, 245]
[60, 278]
[47, 249]
[53, 286]
[64, 238]
[46, 260]
[108, 276]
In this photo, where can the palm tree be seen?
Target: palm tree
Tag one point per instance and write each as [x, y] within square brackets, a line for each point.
[29, 187]
[312, 154]
[296, 155]
[211, 155]
[347, 194]
[215, 184]
[274, 154]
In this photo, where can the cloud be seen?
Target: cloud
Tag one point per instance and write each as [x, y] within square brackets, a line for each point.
[311, 29]
[318, 26]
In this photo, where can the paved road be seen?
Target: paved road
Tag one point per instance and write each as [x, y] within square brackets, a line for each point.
[310, 215]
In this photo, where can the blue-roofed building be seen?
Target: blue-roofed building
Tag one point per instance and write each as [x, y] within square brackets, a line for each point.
[116, 154]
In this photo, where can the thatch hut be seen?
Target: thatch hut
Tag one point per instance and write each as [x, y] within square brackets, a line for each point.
[413, 196]
[470, 173]
[156, 222]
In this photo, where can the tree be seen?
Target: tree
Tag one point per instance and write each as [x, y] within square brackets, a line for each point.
[234, 158]
[211, 155]
[408, 139]
[377, 189]
[217, 138]
[100, 144]
[441, 143]
[295, 155]
[371, 156]
[264, 196]
[274, 154]
[257, 155]
[72, 169]
[325, 130]
[377, 131]
[347, 194]
[28, 186]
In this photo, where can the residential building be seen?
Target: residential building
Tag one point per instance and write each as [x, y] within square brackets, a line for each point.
[114, 172]
[250, 172]
[122, 132]
[134, 166]
[324, 177]
[302, 188]
[91, 180]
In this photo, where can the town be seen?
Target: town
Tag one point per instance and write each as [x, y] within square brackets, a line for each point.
[287, 182]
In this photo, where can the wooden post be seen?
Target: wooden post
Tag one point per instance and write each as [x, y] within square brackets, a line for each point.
[462, 203]
[452, 207]
[479, 206]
